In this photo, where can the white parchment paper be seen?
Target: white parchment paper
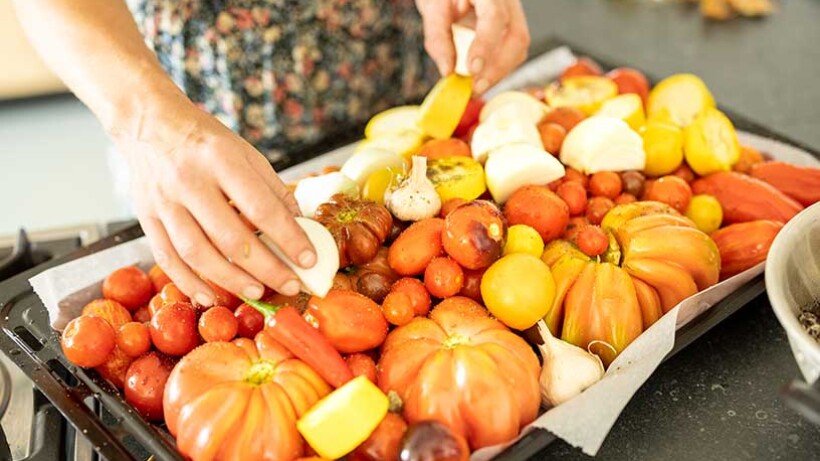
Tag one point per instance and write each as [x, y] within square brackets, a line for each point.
[584, 421]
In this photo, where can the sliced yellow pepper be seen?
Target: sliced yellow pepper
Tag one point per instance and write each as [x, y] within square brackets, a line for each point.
[444, 105]
[457, 177]
[344, 419]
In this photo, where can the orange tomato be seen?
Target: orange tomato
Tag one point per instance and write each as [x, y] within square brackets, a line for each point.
[552, 137]
[217, 324]
[416, 246]
[474, 234]
[749, 157]
[224, 408]
[582, 66]
[440, 148]
[685, 172]
[630, 81]
[173, 329]
[111, 311]
[567, 117]
[415, 289]
[362, 365]
[597, 208]
[592, 241]
[605, 184]
[443, 277]
[573, 175]
[134, 339]
[351, 321]
[671, 190]
[158, 278]
[625, 198]
[88, 341]
[223, 297]
[539, 208]
[450, 205]
[575, 196]
[398, 308]
[129, 286]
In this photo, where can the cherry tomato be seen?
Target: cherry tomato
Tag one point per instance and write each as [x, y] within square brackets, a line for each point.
[567, 117]
[633, 182]
[625, 198]
[630, 81]
[111, 311]
[469, 119]
[582, 66]
[441, 148]
[218, 324]
[574, 194]
[170, 294]
[472, 285]
[597, 208]
[671, 190]
[415, 289]
[143, 314]
[173, 329]
[129, 286]
[552, 137]
[156, 304]
[384, 443]
[685, 172]
[431, 440]
[573, 175]
[158, 278]
[88, 341]
[250, 321]
[223, 297]
[145, 384]
[443, 277]
[362, 365]
[451, 205]
[592, 240]
[574, 226]
[134, 338]
[398, 308]
[605, 184]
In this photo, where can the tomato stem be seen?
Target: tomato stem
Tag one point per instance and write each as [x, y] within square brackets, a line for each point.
[260, 372]
[266, 309]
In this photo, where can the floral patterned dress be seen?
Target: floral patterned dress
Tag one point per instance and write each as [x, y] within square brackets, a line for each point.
[286, 74]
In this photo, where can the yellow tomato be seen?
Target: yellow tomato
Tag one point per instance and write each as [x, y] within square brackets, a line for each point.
[457, 177]
[685, 96]
[705, 211]
[710, 143]
[587, 92]
[518, 290]
[378, 182]
[663, 144]
[522, 238]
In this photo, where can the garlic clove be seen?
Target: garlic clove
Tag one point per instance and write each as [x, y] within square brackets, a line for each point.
[515, 104]
[314, 191]
[567, 370]
[416, 197]
[513, 166]
[364, 162]
[500, 129]
[603, 143]
[317, 280]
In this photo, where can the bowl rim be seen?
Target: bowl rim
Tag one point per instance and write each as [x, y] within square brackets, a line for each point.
[776, 292]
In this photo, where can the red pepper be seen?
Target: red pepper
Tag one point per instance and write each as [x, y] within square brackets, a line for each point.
[305, 342]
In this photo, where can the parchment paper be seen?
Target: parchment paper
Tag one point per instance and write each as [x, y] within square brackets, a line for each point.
[584, 421]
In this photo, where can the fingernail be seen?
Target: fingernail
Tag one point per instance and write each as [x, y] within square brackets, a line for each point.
[307, 259]
[290, 288]
[203, 300]
[481, 85]
[476, 66]
[253, 292]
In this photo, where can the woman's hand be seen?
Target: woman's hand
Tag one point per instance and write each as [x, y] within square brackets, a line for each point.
[185, 169]
[501, 39]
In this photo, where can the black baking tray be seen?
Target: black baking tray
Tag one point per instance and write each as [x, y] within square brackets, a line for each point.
[80, 395]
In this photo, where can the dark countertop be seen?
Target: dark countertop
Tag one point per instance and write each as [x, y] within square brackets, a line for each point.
[718, 398]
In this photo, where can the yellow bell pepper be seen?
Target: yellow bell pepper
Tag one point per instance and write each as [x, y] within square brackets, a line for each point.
[344, 419]
[444, 105]
[457, 177]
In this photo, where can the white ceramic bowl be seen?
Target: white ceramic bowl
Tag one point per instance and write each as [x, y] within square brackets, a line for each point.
[793, 282]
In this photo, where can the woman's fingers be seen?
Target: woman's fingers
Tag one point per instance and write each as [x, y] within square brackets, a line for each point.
[252, 196]
[167, 258]
[437, 19]
[501, 43]
[236, 242]
[265, 170]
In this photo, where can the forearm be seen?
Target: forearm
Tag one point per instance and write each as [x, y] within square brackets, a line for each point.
[96, 49]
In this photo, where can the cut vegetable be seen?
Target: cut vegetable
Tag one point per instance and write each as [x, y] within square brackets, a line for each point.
[457, 177]
[499, 130]
[685, 96]
[585, 92]
[443, 106]
[405, 143]
[318, 279]
[364, 162]
[393, 121]
[603, 144]
[515, 104]
[627, 107]
[416, 197]
[711, 143]
[513, 166]
[663, 145]
[314, 191]
[568, 369]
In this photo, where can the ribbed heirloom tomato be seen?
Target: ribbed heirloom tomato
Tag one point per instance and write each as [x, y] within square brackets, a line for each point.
[240, 401]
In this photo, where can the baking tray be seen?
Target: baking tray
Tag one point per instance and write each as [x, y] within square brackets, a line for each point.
[95, 408]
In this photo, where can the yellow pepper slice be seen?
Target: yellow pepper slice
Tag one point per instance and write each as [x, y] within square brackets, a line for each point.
[343, 419]
[457, 177]
[444, 105]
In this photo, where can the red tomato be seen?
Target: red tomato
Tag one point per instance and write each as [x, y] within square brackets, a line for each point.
[218, 324]
[573, 175]
[143, 314]
[419, 296]
[129, 286]
[469, 118]
[472, 285]
[581, 67]
[223, 297]
[450, 205]
[249, 321]
[630, 81]
[111, 311]
[443, 277]
[384, 443]
[672, 190]
[145, 384]
[398, 308]
[605, 184]
[158, 278]
[134, 338]
[173, 329]
[552, 137]
[592, 241]
[575, 196]
[88, 341]
[597, 208]
[170, 293]
[351, 321]
[362, 365]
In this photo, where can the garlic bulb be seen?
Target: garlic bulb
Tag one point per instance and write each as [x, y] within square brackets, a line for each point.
[567, 370]
[416, 197]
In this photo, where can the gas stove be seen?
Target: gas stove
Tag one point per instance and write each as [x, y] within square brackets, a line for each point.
[31, 428]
